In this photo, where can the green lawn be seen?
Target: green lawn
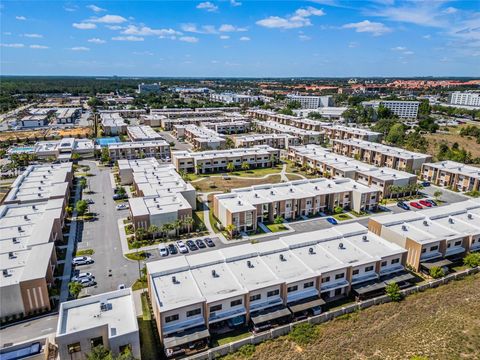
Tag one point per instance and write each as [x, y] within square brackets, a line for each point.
[213, 222]
[150, 344]
[141, 255]
[342, 217]
[277, 227]
[83, 252]
[145, 308]
[236, 335]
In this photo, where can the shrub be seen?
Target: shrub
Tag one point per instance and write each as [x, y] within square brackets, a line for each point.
[472, 260]
[393, 291]
[437, 272]
[303, 333]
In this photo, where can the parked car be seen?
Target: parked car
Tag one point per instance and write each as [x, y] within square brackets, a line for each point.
[191, 245]
[172, 249]
[122, 206]
[85, 275]
[416, 205]
[432, 202]
[332, 221]
[181, 247]
[119, 196]
[403, 205]
[86, 282]
[209, 242]
[425, 183]
[90, 201]
[425, 203]
[200, 244]
[163, 250]
[82, 260]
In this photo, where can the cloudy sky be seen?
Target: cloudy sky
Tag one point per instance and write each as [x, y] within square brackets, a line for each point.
[241, 38]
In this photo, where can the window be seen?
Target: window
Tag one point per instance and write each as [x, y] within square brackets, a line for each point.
[96, 341]
[236, 303]
[273, 293]
[368, 268]
[194, 312]
[171, 318]
[255, 297]
[338, 292]
[339, 276]
[124, 348]
[355, 272]
[74, 348]
[308, 285]
[325, 279]
[395, 261]
[424, 250]
[215, 308]
[458, 243]
[292, 288]
[384, 263]
[434, 248]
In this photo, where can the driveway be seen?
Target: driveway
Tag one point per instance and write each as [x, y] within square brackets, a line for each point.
[178, 145]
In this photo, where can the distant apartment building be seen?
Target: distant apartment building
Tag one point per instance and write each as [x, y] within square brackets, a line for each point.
[322, 161]
[330, 113]
[310, 101]
[113, 124]
[142, 133]
[67, 115]
[464, 98]
[436, 237]
[62, 150]
[126, 113]
[246, 207]
[27, 255]
[228, 127]
[213, 161]
[305, 136]
[451, 174]
[201, 138]
[33, 121]
[107, 319]
[277, 141]
[153, 88]
[168, 123]
[159, 149]
[381, 155]
[403, 109]
[230, 98]
[162, 195]
[348, 132]
[260, 285]
[301, 123]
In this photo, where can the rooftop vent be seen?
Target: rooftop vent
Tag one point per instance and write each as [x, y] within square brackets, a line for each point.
[450, 220]
[214, 273]
[282, 258]
[329, 185]
[11, 255]
[470, 216]
[364, 238]
[272, 192]
[34, 207]
[256, 195]
[19, 229]
[291, 189]
[249, 264]
[15, 240]
[404, 227]
[340, 246]
[310, 251]
[425, 222]
[174, 280]
[6, 273]
[25, 217]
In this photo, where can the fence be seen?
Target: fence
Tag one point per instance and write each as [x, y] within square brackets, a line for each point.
[324, 317]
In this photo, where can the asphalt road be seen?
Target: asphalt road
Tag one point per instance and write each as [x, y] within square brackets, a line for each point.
[29, 330]
[178, 145]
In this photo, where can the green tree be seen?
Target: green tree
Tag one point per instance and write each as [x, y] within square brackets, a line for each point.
[140, 233]
[424, 108]
[99, 353]
[437, 272]
[437, 194]
[231, 228]
[393, 291]
[120, 190]
[152, 230]
[75, 288]
[245, 166]
[75, 157]
[229, 144]
[278, 220]
[189, 222]
[166, 229]
[338, 210]
[81, 206]
[384, 112]
[396, 135]
[83, 183]
[472, 260]
[230, 166]
[105, 155]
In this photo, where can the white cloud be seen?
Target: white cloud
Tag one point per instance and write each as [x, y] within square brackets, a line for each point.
[109, 19]
[21, 18]
[147, 31]
[128, 38]
[450, 10]
[423, 13]
[147, 53]
[375, 28]
[8, 33]
[189, 39]
[204, 29]
[352, 44]
[428, 36]
[235, 3]
[244, 38]
[114, 27]
[208, 6]
[38, 47]
[224, 37]
[84, 26]
[13, 45]
[299, 19]
[399, 48]
[304, 37]
[95, 8]
[231, 28]
[96, 41]
[80, 48]
[70, 8]
[35, 36]
[403, 50]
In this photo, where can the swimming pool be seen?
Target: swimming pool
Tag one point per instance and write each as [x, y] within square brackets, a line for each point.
[107, 140]
[21, 150]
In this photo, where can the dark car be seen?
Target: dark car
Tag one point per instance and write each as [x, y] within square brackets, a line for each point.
[332, 221]
[200, 244]
[209, 242]
[119, 196]
[432, 202]
[172, 249]
[403, 206]
[191, 245]
[425, 183]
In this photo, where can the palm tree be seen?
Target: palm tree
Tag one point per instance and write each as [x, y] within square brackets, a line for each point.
[75, 288]
[230, 167]
[177, 225]
[198, 169]
[152, 230]
[245, 166]
[140, 233]
[189, 222]
[166, 228]
[230, 229]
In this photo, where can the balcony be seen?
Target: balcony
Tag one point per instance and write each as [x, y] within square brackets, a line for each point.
[454, 250]
[226, 314]
[391, 269]
[333, 285]
[259, 305]
[184, 324]
[302, 294]
[371, 275]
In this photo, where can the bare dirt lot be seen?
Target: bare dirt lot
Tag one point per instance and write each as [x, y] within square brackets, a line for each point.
[220, 184]
[467, 142]
[441, 323]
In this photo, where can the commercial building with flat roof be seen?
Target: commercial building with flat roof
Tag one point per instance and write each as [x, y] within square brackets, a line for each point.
[464, 98]
[246, 207]
[67, 115]
[403, 109]
[113, 124]
[33, 121]
[322, 161]
[452, 174]
[213, 161]
[380, 155]
[63, 149]
[305, 136]
[299, 122]
[278, 141]
[142, 133]
[201, 138]
[230, 98]
[197, 295]
[107, 319]
[311, 101]
[228, 127]
[439, 236]
[159, 149]
[348, 132]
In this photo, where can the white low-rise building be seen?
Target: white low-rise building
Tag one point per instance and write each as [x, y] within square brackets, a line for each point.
[113, 123]
[311, 101]
[159, 149]
[464, 98]
[403, 109]
[142, 133]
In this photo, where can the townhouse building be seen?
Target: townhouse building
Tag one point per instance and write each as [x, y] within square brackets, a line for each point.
[299, 122]
[213, 161]
[230, 98]
[168, 123]
[228, 127]
[246, 207]
[436, 237]
[278, 141]
[142, 133]
[348, 132]
[107, 319]
[322, 161]
[62, 150]
[305, 136]
[113, 124]
[159, 149]
[267, 283]
[403, 109]
[330, 113]
[452, 174]
[381, 155]
[67, 115]
[201, 138]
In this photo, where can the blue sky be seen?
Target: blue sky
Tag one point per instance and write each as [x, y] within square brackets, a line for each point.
[241, 38]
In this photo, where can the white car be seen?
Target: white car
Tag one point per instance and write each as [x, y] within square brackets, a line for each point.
[85, 275]
[182, 247]
[86, 282]
[122, 206]
[82, 260]
[163, 250]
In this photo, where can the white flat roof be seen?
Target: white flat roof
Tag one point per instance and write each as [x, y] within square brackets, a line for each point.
[456, 168]
[384, 149]
[138, 144]
[229, 153]
[287, 128]
[143, 132]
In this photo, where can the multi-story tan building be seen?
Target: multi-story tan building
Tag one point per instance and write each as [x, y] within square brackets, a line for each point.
[228, 127]
[142, 133]
[305, 136]
[436, 237]
[246, 207]
[158, 149]
[277, 141]
[298, 122]
[452, 174]
[348, 132]
[201, 138]
[213, 161]
[113, 124]
[380, 155]
[322, 161]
